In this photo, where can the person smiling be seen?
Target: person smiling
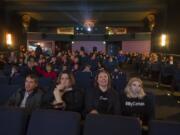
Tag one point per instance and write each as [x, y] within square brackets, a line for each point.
[136, 102]
[102, 99]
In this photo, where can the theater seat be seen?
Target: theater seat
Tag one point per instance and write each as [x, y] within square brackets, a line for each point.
[17, 80]
[176, 80]
[4, 80]
[6, 91]
[111, 125]
[155, 71]
[119, 81]
[83, 79]
[52, 122]
[12, 121]
[164, 128]
[166, 74]
[45, 83]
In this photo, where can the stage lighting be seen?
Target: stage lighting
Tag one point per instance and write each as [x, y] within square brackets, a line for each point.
[89, 24]
[77, 28]
[89, 29]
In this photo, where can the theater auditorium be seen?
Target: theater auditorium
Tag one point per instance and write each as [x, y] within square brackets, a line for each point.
[89, 67]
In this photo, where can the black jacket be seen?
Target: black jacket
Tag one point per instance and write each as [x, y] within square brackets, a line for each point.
[104, 102]
[141, 108]
[35, 99]
[74, 100]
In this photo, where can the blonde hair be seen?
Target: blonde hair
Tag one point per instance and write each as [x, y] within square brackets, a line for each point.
[153, 58]
[128, 89]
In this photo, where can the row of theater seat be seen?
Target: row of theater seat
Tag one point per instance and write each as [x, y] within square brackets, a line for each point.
[83, 80]
[163, 74]
[52, 122]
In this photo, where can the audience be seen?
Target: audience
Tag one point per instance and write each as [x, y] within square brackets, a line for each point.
[100, 98]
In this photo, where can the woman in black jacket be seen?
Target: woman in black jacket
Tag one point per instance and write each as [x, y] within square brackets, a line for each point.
[66, 95]
[102, 98]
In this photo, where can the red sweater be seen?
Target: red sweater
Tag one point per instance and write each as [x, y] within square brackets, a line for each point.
[51, 74]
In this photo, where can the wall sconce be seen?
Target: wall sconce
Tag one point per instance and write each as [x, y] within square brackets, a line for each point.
[163, 40]
[9, 39]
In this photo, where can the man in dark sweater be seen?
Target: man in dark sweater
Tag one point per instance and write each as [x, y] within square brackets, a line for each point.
[30, 97]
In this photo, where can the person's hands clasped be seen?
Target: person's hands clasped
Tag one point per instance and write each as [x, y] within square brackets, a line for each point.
[58, 93]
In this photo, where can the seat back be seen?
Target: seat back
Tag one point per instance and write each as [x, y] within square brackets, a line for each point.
[45, 83]
[83, 79]
[6, 91]
[155, 67]
[164, 128]
[51, 122]
[119, 82]
[168, 70]
[4, 80]
[17, 80]
[12, 121]
[176, 80]
[111, 125]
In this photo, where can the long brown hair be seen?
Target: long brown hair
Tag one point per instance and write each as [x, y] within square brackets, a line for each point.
[109, 79]
[70, 75]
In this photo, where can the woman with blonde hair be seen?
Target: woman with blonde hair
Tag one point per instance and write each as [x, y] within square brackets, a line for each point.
[136, 102]
[134, 88]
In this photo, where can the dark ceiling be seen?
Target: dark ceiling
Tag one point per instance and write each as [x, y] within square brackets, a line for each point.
[54, 13]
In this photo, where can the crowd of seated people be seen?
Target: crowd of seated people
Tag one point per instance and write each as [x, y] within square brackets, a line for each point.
[99, 99]
[103, 97]
[156, 67]
[152, 65]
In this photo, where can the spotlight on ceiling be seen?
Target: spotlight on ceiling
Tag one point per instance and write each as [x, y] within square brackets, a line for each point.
[89, 29]
[77, 28]
[89, 24]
